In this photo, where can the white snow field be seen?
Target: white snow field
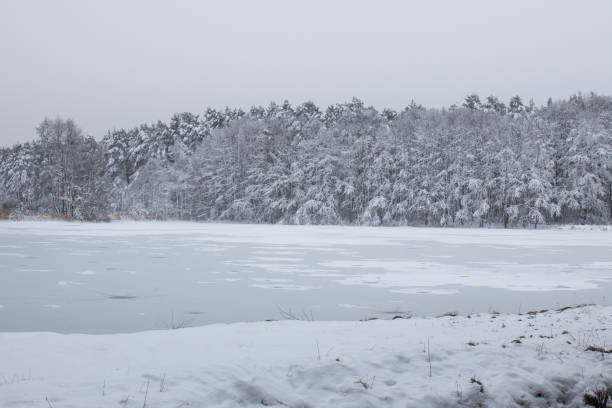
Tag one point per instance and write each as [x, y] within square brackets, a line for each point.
[111, 285]
[484, 360]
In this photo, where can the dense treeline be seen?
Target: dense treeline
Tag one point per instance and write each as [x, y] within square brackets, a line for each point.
[481, 163]
[63, 173]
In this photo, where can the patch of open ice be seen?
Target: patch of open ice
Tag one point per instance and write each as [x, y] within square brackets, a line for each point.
[87, 272]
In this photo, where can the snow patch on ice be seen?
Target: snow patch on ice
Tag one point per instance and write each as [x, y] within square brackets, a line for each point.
[281, 286]
[17, 254]
[53, 306]
[518, 277]
[271, 280]
[349, 306]
[228, 279]
[214, 248]
[425, 291]
[276, 252]
[69, 283]
[276, 259]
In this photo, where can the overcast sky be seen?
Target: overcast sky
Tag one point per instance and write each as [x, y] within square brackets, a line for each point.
[117, 64]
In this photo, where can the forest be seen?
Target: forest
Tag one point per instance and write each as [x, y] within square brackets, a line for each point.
[483, 163]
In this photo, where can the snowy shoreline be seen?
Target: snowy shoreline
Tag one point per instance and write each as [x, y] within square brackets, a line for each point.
[490, 359]
[25, 218]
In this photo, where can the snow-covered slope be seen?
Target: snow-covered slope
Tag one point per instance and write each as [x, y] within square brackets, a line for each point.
[493, 360]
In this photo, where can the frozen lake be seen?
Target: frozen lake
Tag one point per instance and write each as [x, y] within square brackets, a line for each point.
[132, 276]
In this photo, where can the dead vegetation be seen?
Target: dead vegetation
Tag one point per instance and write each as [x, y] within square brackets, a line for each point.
[476, 381]
[172, 324]
[597, 398]
[367, 382]
[561, 309]
[535, 312]
[288, 314]
[564, 308]
[599, 349]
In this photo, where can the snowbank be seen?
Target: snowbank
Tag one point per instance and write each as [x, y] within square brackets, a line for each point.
[488, 359]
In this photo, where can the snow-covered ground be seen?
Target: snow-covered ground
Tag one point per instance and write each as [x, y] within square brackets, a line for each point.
[479, 360]
[133, 276]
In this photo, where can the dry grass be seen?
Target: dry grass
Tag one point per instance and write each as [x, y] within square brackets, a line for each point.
[474, 380]
[535, 312]
[564, 308]
[599, 349]
[366, 383]
[597, 398]
[288, 314]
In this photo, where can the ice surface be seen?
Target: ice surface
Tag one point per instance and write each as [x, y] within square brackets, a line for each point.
[236, 272]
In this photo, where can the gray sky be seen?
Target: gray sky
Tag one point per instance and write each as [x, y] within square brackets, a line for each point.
[120, 63]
